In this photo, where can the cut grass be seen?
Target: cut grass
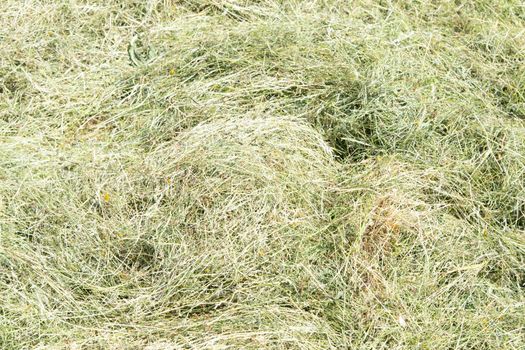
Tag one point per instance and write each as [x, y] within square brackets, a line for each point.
[262, 174]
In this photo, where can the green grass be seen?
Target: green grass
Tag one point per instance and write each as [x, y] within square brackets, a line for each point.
[262, 174]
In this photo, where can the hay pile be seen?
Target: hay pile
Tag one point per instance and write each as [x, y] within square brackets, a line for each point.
[256, 183]
[262, 174]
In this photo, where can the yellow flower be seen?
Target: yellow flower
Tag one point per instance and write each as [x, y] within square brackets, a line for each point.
[106, 197]
[172, 71]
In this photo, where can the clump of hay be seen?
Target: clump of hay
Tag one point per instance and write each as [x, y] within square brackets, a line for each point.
[259, 183]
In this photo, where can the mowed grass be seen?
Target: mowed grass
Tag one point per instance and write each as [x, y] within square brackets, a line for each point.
[262, 174]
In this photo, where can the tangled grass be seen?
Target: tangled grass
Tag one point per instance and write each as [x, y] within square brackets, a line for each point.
[262, 174]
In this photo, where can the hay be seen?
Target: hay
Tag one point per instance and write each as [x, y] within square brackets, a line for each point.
[247, 181]
[165, 179]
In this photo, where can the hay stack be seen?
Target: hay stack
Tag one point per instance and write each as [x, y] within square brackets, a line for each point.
[252, 182]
